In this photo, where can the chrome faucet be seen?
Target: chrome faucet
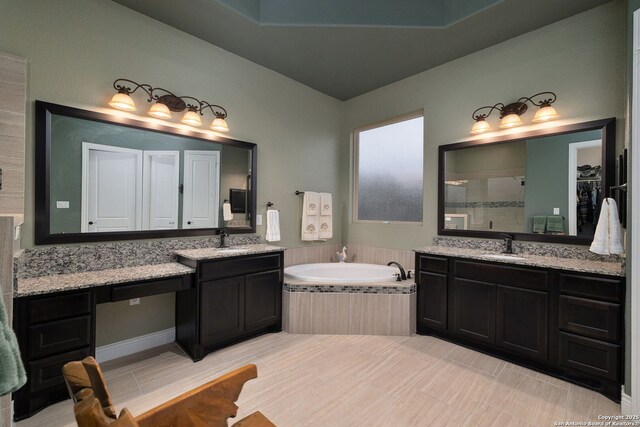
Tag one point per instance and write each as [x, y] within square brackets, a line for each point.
[508, 244]
[223, 238]
[403, 274]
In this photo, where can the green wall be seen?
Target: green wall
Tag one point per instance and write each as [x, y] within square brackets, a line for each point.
[582, 59]
[75, 49]
[547, 174]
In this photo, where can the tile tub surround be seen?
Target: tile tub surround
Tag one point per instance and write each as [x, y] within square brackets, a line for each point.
[358, 309]
[213, 253]
[580, 265]
[529, 248]
[311, 254]
[69, 259]
[373, 255]
[90, 279]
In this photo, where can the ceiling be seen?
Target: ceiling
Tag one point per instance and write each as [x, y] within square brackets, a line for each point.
[345, 48]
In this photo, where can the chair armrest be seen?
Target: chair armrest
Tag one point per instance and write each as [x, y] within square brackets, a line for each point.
[207, 405]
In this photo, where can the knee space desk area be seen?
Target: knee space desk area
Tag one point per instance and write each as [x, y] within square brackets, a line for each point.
[222, 296]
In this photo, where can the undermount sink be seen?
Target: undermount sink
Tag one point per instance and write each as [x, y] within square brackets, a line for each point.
[504, 256]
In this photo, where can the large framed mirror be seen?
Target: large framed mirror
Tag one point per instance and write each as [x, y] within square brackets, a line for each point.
[105, 177]
[543, 185]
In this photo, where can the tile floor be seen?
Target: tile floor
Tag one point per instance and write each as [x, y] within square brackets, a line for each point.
[351, 380]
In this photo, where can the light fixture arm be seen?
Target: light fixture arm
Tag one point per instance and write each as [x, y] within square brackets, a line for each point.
[219, 114]
[481, 116]
[545, 102]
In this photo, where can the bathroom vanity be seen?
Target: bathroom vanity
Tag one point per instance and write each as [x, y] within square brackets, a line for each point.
[237, 295]
[222, 296]
[560, 316]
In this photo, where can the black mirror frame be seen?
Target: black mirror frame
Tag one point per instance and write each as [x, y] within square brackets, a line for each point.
[608, 176]
[44, 110]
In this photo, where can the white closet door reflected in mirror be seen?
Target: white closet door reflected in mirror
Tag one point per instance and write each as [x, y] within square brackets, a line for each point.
[201, 178]
[111, 188]
[128, 190]
[160, 190]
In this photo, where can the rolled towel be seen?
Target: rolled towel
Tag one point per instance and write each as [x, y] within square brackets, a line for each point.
[226, 211]
[273, 226]
[608, 236]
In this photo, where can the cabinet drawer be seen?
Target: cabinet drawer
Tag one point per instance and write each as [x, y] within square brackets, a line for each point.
[595, 319]
[590, 356]
[609, 289]
[41, 309]
[50, 338]
[502, 274]
[433, 264]
[239, 266]
[47, 373]
[152, 287]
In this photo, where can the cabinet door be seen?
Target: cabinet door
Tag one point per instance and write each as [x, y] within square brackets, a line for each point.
[222, 310]
[263, 299]
[521, 324]
[432, 300]
[474, 310]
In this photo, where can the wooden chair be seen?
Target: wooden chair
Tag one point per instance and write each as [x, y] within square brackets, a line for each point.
[209, 405]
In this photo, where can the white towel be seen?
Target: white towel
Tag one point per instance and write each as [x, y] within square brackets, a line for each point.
[311, 202]
[326, 217]
[273, 226]
[226, 211]
[310, 227]
[326, 204]
[326, 227]
[608, 237]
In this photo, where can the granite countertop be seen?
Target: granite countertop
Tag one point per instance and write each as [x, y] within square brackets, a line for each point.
[231, 251]
[90, 279]
[582, 265]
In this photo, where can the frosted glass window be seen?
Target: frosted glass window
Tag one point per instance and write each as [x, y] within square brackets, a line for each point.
[389, 172]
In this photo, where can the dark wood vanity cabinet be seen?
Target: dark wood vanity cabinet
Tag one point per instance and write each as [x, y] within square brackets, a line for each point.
[57, 328]
[239, 297]
[566, 324]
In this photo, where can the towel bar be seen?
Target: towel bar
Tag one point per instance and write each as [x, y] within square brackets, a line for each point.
[299, 193]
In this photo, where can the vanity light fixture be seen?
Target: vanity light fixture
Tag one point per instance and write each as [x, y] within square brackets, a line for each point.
[511, 113]
[166, 102]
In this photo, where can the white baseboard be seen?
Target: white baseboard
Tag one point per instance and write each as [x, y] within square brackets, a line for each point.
[625, 403]
[134, 345]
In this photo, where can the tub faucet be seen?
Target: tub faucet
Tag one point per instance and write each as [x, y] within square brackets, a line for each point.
[508, 244]
[223, 238]
[403, 274]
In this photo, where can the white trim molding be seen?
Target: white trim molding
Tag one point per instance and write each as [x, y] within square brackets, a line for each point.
[135, 345]
[626, 403]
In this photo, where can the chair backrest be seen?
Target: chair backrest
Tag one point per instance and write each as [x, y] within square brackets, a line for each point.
[87, 375]
[89, 413]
